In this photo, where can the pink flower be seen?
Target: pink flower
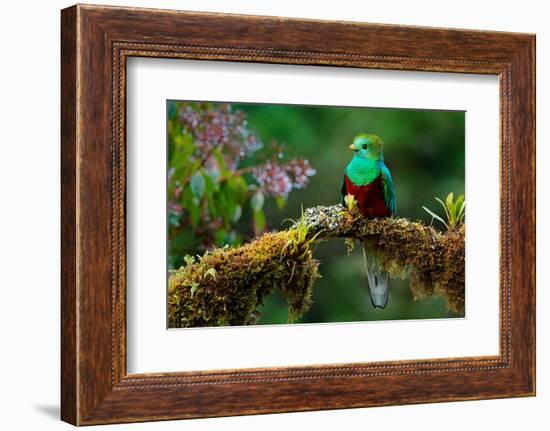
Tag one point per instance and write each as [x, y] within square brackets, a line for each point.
[280, 179]
[220, 127]
[301, 171]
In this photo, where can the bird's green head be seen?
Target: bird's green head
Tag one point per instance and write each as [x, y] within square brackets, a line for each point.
[368, 146]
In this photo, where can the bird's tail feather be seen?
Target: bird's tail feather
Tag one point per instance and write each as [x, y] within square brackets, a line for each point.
[378, 279]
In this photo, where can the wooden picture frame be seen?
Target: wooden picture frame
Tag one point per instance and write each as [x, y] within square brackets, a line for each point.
[95, 43]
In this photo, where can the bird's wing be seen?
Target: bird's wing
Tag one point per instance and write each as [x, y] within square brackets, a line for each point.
[389, 191]
[343, 189]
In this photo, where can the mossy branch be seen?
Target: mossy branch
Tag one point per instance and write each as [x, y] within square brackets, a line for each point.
[228, 285]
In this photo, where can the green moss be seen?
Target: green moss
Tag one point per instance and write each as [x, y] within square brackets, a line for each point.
[434, 260]
[227, 286]
[244, 276]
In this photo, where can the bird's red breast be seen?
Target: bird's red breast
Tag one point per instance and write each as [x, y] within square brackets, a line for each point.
[370, 198]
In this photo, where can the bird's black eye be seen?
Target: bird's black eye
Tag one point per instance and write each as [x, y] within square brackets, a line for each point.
[364, 146]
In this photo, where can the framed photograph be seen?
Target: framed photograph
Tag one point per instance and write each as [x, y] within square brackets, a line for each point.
[264, 215]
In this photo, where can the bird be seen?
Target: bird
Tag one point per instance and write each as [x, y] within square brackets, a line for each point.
[369, 181]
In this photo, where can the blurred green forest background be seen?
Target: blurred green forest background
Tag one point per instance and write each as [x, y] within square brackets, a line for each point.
[218, 198]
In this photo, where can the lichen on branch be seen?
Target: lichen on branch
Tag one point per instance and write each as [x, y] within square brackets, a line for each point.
[227, 286]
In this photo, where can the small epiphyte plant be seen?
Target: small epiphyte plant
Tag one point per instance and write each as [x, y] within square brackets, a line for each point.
[454, 211]
[189, 261]
[298, 246]
[351, 203]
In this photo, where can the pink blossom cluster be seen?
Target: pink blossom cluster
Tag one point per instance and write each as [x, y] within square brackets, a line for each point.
[279, 179]
[301, 171]
[220, 127]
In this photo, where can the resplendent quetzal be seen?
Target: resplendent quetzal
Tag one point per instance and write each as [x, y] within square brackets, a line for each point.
[369, 180]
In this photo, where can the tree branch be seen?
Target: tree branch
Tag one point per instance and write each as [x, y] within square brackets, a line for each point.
[228, 285]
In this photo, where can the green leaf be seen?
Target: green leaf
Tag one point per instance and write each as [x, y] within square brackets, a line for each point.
[456, 209]
[223, 171]
[209, 192]
[461, 212]
[239, 189]
[259, 221]
[449, 200]
[237, 213]
[191, 204]
[219, 237]
[214, 175]
[194, 212]
[257, 201]
[458, 204]
[189, 260]
[445, 208]
[225, 204]
[434, 215]
[235, 239]
[351, 202]
[210, 185]
[280, 201]
[180, 153]
[173, 219]
[211, 272]
[198, 185]
[172, 109]
[194, 287]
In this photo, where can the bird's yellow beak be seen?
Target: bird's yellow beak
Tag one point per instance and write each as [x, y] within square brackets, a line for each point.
[351, 147]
